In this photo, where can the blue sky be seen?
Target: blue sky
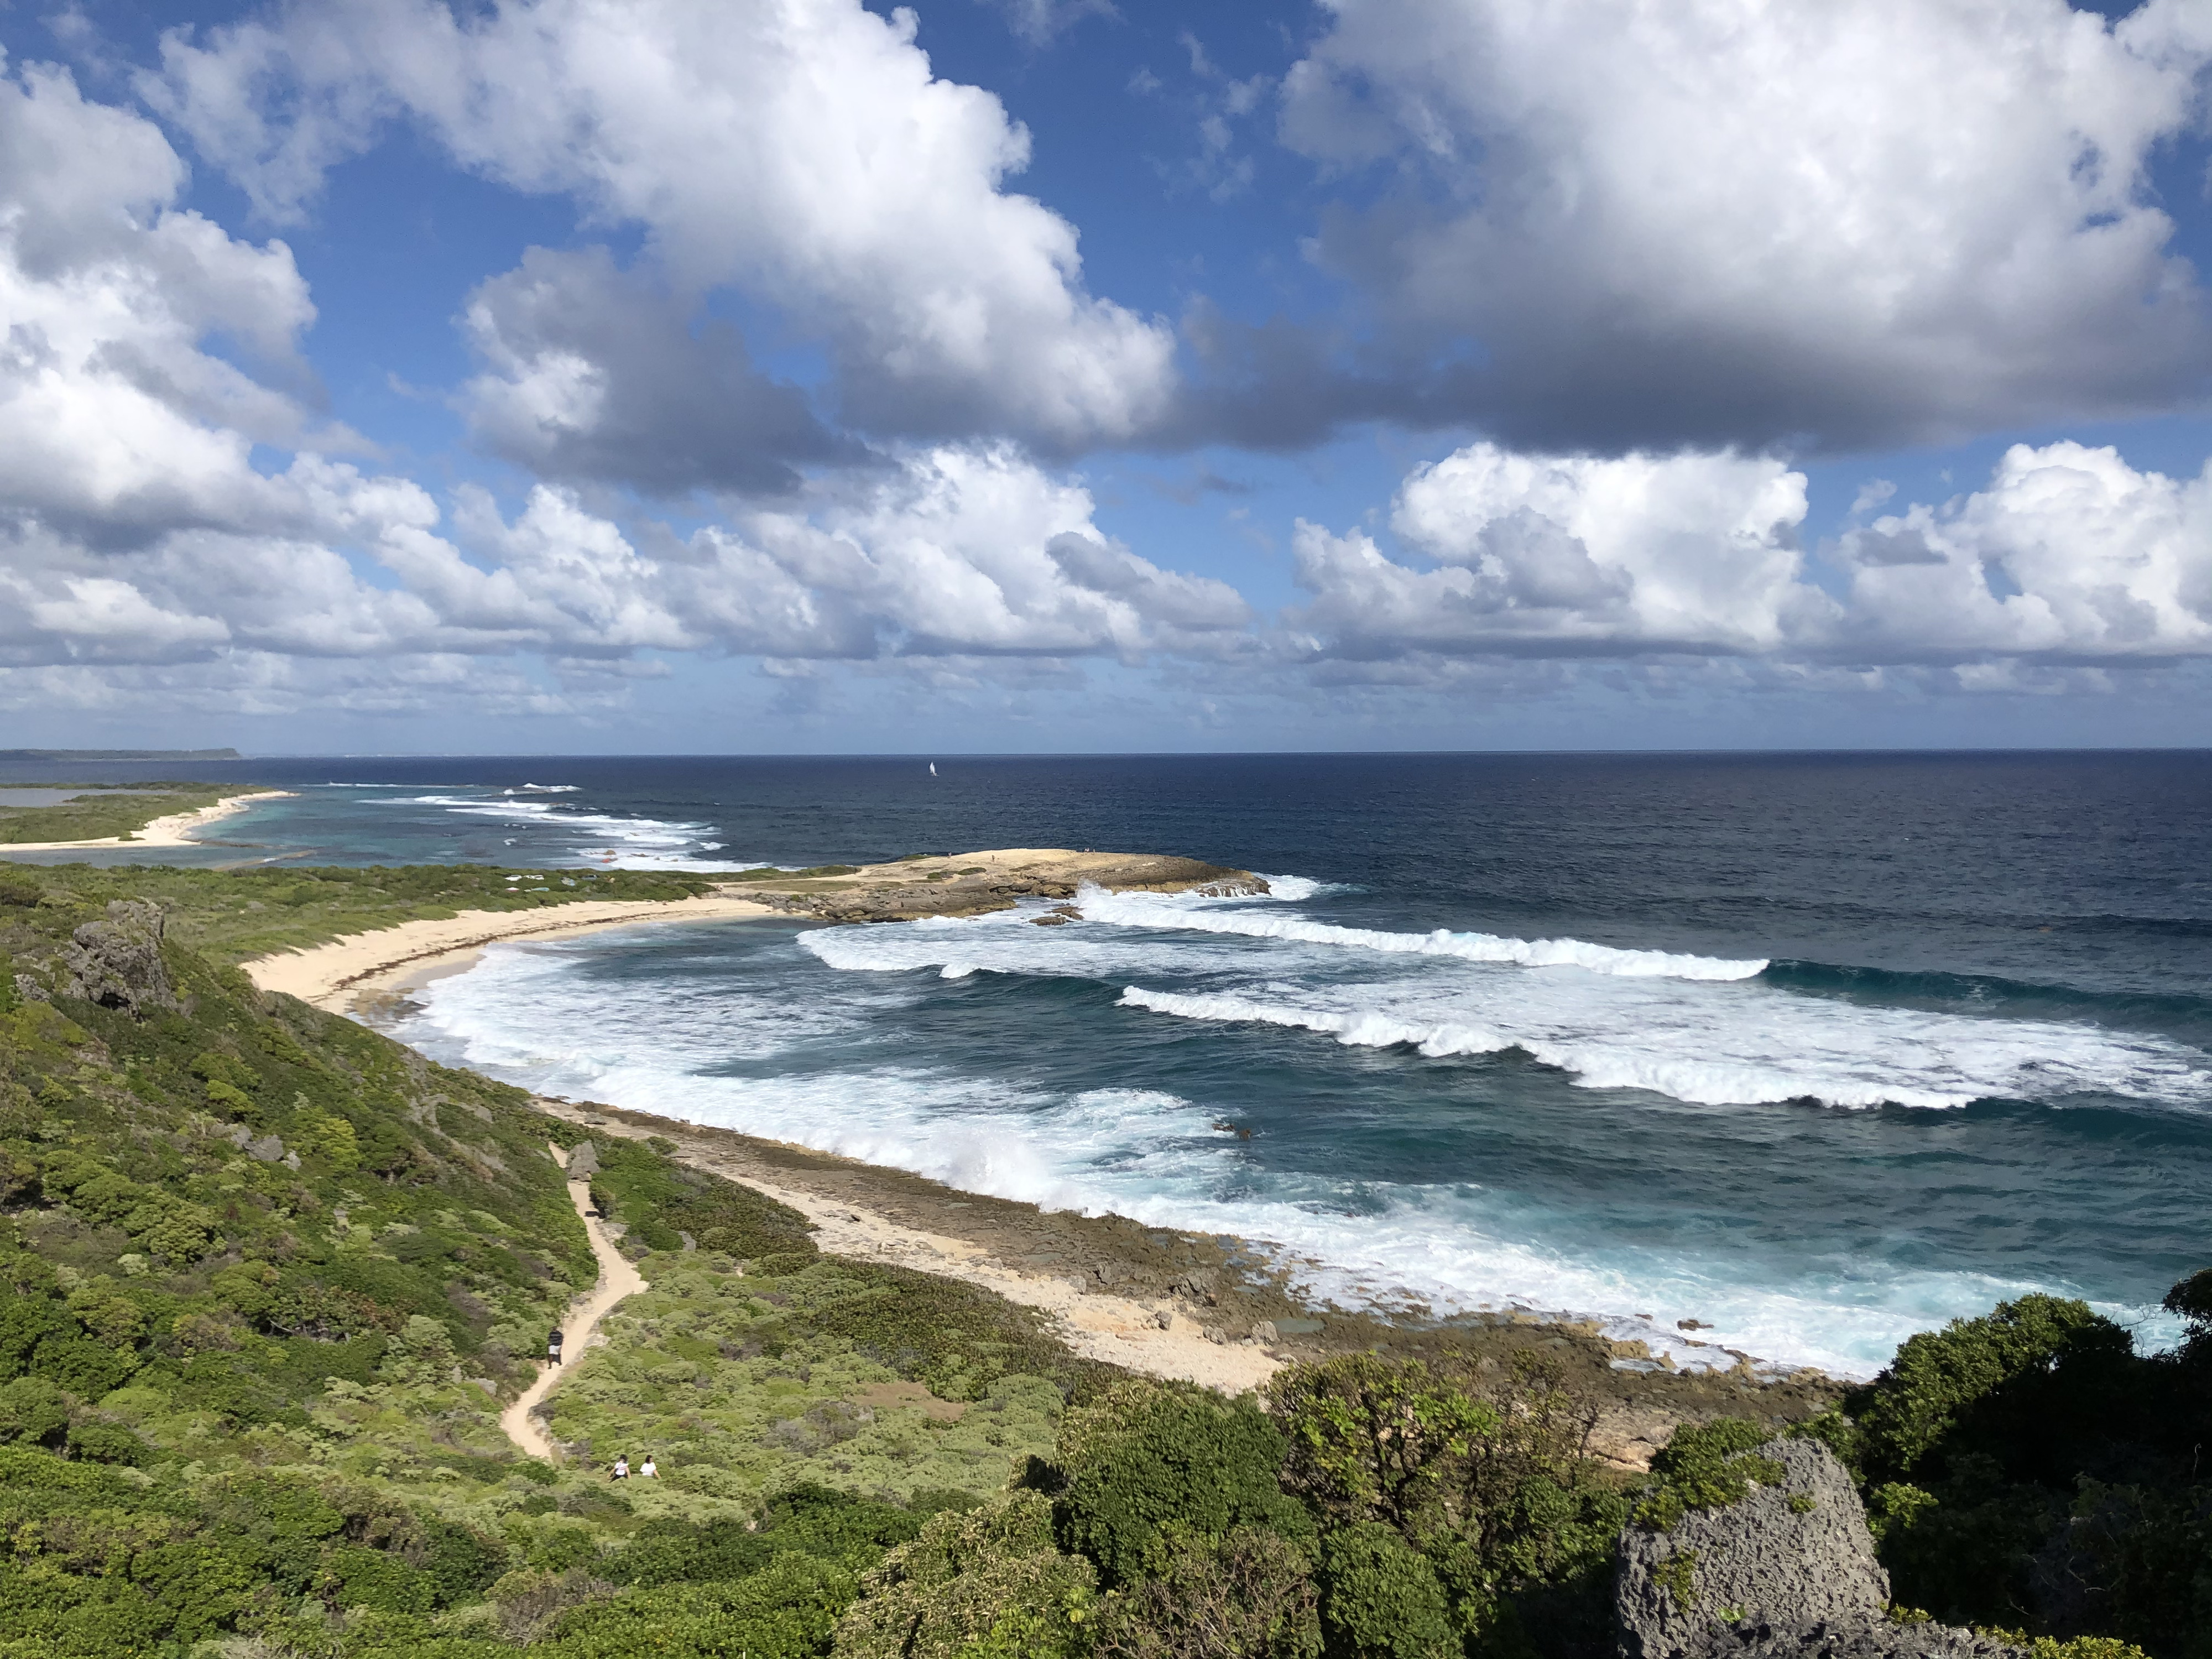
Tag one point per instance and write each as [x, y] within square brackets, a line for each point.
[1035, 374]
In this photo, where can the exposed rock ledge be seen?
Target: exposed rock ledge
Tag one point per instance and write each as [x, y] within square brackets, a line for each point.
[1788, 1572]
[975, 883]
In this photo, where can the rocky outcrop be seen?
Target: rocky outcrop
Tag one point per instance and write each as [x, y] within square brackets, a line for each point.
[1788, 1572]
[583, 1161]
[117, 963]
[1760, 1638]
[956, 886]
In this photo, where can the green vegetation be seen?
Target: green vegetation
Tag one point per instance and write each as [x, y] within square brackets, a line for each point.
[266, 1279]
[2028, 1469]
[99, 813]
[2024, 1472]
[229, 915]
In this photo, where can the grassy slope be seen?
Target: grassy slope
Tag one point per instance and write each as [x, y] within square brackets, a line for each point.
[98, 814]
[230, 915]
[234, 1393]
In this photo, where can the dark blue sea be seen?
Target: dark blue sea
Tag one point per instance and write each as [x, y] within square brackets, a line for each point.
[1818, 1049]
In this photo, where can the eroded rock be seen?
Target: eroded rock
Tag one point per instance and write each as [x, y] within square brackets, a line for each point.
[1788, 1571]
[117, 963]
[1759, 1638]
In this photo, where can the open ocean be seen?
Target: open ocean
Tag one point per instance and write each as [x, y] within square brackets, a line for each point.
[1819, 1049]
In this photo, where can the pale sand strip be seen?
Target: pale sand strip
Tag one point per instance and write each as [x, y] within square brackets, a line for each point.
[170, 832]
[332, 975]
[1094, 1323]
[617, 1280]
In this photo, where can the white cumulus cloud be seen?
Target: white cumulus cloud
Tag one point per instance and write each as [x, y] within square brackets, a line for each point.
[800, 150]
[2067, 553]
[2068, 556]
[1568, 554]
[1715, 222]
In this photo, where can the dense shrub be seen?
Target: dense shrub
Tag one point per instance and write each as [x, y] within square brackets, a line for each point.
[987, 1584]
[2028, 1469]
[1148, 1459]
[1249, 1594]
[1381, 1598]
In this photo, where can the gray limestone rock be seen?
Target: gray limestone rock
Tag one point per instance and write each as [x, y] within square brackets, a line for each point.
[269, 1149]
[1799, 1552]
[583, 1161]
[117, 963]
[1788, 1572]
[1760, 1638]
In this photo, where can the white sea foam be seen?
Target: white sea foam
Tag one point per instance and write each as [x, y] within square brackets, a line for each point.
[638, 844]
[1294, 890]
[1178, 911]
[1744, 1045]
[1707, 1043]
[1005, 942]
[668, 1044]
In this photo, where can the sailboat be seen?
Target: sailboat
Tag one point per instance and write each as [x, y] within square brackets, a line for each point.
[932, 768]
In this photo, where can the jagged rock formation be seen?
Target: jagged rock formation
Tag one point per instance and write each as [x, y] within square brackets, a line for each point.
[117, 963]
[1788, 1572]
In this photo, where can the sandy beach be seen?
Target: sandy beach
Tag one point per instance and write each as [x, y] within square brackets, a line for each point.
[173, 830]
[338, 975]
[334, 976]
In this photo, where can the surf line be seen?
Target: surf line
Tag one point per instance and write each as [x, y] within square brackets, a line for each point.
[618, 1278]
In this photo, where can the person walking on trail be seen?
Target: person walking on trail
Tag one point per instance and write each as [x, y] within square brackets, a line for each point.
[553, 1346]
[621, 1469]
[648, 1469]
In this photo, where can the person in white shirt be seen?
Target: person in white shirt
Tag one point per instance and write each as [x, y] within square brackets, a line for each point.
[621, 1469]
[648, 1468]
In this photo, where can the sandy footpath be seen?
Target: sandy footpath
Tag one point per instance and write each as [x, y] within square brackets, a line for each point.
[580, 1329]
[174, 831]
[1149, 1334]
[331, 976]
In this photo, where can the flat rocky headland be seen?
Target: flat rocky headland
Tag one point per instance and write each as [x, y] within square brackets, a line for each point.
[976, 884]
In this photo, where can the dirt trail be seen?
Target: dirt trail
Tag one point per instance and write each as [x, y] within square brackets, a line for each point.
[618, 1278]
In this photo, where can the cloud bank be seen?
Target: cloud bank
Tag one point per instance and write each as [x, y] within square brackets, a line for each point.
[1653, 254]
[1706, 222]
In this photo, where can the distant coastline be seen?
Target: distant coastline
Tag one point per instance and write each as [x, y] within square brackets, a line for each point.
[172, 830]
[336, 975]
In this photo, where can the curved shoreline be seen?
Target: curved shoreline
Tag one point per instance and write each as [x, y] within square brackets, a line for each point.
[170, 830]
[334, 976]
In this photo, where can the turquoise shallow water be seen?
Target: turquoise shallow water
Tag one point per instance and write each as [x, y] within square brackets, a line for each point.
[1819, 1050]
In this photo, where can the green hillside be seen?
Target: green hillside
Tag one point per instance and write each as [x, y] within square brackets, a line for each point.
[267, 1279]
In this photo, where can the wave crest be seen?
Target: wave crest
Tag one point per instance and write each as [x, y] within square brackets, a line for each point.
[1154, 910]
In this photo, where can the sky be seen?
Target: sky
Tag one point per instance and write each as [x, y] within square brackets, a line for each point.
[1058, 375]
